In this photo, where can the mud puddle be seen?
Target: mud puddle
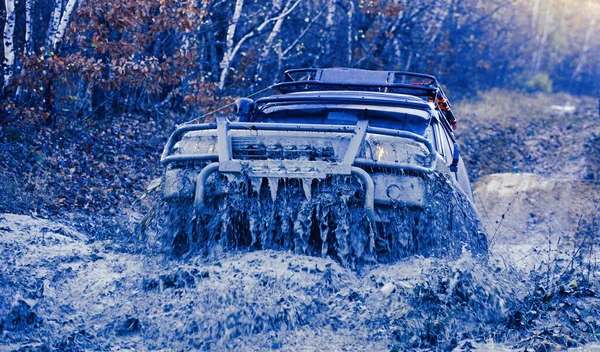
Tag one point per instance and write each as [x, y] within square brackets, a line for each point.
[63, 291]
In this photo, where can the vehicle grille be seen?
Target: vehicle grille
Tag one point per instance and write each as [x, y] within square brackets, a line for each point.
[250, 150]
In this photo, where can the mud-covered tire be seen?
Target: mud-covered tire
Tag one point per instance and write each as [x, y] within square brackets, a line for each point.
[177, 228]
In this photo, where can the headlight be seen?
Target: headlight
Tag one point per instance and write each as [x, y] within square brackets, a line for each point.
[196, 143]
[395, 150]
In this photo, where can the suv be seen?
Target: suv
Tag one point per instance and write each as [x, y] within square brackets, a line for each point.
[354, 164]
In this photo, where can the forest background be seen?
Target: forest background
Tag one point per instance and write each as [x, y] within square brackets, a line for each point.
[67, 58]
[89, 85]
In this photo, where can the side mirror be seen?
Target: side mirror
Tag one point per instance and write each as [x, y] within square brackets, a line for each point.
[244, 107]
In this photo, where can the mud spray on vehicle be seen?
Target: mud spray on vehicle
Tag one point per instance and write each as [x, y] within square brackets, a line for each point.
[361, 166]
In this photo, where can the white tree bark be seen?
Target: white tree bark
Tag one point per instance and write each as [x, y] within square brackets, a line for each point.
[28, 28]
[586, 47]
[232, 51]
[329, 32]
[64, 22]
[289, 7]
[439, 16]
[397, 42]
[283, 52]
[534, 14]
[350, 19]
[537, 62]
[277, 27]
[408, 61]
[53, 26]
[9, 49]
[228, 55]
[330, 14]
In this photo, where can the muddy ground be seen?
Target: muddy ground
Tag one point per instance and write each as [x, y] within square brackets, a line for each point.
[84, 279]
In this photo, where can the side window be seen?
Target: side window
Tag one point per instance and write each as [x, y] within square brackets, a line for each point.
[443, 142]
[447, 145]
[437, 136]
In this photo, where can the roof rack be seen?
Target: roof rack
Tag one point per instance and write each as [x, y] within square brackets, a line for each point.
[401, 82]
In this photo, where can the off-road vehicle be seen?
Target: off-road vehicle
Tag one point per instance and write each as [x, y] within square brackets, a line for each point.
[355, 164]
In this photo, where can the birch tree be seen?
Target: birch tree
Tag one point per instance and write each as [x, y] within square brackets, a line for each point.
[349, 33]
[232, 49]
[64, 22]
[586, 48]
[229, 48]
[539, 54]
[268, 46]
[9, 49]
[53, 25]
[283, 54]
[28, 28]
[59, 20]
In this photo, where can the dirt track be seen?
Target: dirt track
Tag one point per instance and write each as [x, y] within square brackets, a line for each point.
[529, 217]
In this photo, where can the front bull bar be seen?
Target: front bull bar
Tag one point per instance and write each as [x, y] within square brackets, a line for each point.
[356, 171]
[296, 169]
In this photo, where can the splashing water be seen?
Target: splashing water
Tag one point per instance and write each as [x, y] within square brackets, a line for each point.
[323, 218]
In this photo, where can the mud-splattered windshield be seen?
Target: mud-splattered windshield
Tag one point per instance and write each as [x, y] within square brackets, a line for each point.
[397, 118]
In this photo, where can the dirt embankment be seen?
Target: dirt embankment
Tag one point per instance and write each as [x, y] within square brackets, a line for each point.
[86, 166]
[529, 218]
[509, 132]
[535, 160]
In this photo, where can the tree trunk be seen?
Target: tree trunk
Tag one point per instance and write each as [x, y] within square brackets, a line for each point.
[64, 22]
[586, 48]
[537, 62]
[28, 28]
[9, 49]
[53, 26]
[228, 54]
[437, 22]
[534, 14]
[274, 32]
[349, 37]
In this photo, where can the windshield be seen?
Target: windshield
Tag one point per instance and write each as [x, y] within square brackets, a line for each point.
[397, 118]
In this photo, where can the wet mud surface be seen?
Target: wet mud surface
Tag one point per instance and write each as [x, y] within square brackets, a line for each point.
[63, 290]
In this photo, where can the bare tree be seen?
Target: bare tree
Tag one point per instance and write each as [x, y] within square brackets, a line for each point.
[233, 50]
[350, 32]
[64, 21]
[586, 48]
[539, 54]
[53, 26]
[9, 49]
[28, 28]
[268, 46]
[230, 49]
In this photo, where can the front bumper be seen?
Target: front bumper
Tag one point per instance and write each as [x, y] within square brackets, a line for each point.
[386, 183]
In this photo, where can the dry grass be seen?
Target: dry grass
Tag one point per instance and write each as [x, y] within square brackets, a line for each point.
[499, 106]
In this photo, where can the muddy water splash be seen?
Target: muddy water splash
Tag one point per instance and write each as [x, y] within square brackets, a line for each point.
[97, 298]
[323, 218]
